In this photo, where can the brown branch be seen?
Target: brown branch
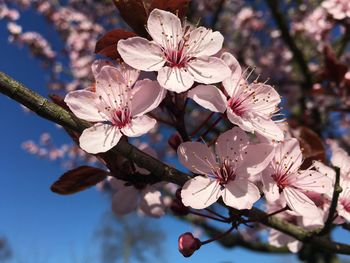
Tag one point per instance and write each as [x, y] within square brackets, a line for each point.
[159, 170]
[288, 39]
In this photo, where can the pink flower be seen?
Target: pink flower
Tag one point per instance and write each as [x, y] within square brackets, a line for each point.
[115, 107]
[283, 179]
[248, 106]
[226, 174]
[339, 9]
[129, 198]
[181, 55]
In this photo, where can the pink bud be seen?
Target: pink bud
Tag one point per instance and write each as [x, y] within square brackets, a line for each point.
[188, 244]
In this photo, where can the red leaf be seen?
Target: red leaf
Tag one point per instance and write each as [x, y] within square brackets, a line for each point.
[134, 13]
[178, 7]
[78, 179]
[107, 45]
[334, 70]
[313, 149]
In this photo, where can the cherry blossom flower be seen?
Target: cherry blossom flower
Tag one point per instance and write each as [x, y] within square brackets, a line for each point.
[283, 179]
[128, 198]
[180, 55]
[279, 239]
[146, 198]
[339, 9]
[115, 108]
[226, 174]
[248, 106]
[339, 159]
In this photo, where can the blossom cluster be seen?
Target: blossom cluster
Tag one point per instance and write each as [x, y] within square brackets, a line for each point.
[252, 159]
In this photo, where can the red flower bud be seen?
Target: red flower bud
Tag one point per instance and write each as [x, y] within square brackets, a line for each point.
[188, 244]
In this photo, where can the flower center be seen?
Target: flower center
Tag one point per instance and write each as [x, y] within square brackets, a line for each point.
[346, 204]
[121, 118]
[225, 173]
[237, 106]
[281, 181]
[178, 57]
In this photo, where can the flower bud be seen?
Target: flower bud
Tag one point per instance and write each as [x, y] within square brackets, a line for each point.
[188, 244]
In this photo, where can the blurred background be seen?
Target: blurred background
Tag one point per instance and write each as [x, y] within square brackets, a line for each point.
[49, 46]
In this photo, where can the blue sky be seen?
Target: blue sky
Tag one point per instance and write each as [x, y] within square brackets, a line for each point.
[42, 226]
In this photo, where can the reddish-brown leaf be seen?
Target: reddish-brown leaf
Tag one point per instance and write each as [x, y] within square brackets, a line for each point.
[78, 179]
[178, 7]
[313, 149]
[134, 13]
[334, 70]
[107, 45]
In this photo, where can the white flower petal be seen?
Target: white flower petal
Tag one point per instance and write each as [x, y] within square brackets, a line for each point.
[165, 28]
[240, 194]
[204, 42]
[208, 70]
[85, 105]
[139, 126]
[200, 192]
[141, 54]
[197, 157]
[146, 96]
[175, 79]
[209, 97]
[99, 138]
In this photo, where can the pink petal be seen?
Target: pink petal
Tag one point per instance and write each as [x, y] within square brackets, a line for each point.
[235, 78]
[288, 156]
[325, 170]
[98, 64]
[204, 42]
[208, 70]
[311, 180]
[244, 123]
[279, 239]
[340, 159]
[240, 194]
[197, 157]
[99, 138]
[229, 145]
[175, 79]
[267, 128]
[84, 104]
[130, 74]
[165, 28]
[209, 97]
[151, 203]
[141, 54]
[125, 200]
[146, 96]
[200, 192]
[270, 187]
[139, 126]
[266, 99]
[294, 246]
[300, 203]
[257, 157]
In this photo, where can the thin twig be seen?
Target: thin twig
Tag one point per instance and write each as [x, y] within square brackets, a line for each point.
[332, 210]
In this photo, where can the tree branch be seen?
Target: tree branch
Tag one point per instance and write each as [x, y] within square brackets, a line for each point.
[161, 171]
[332, 210]
[235, 240]
[288, 39]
